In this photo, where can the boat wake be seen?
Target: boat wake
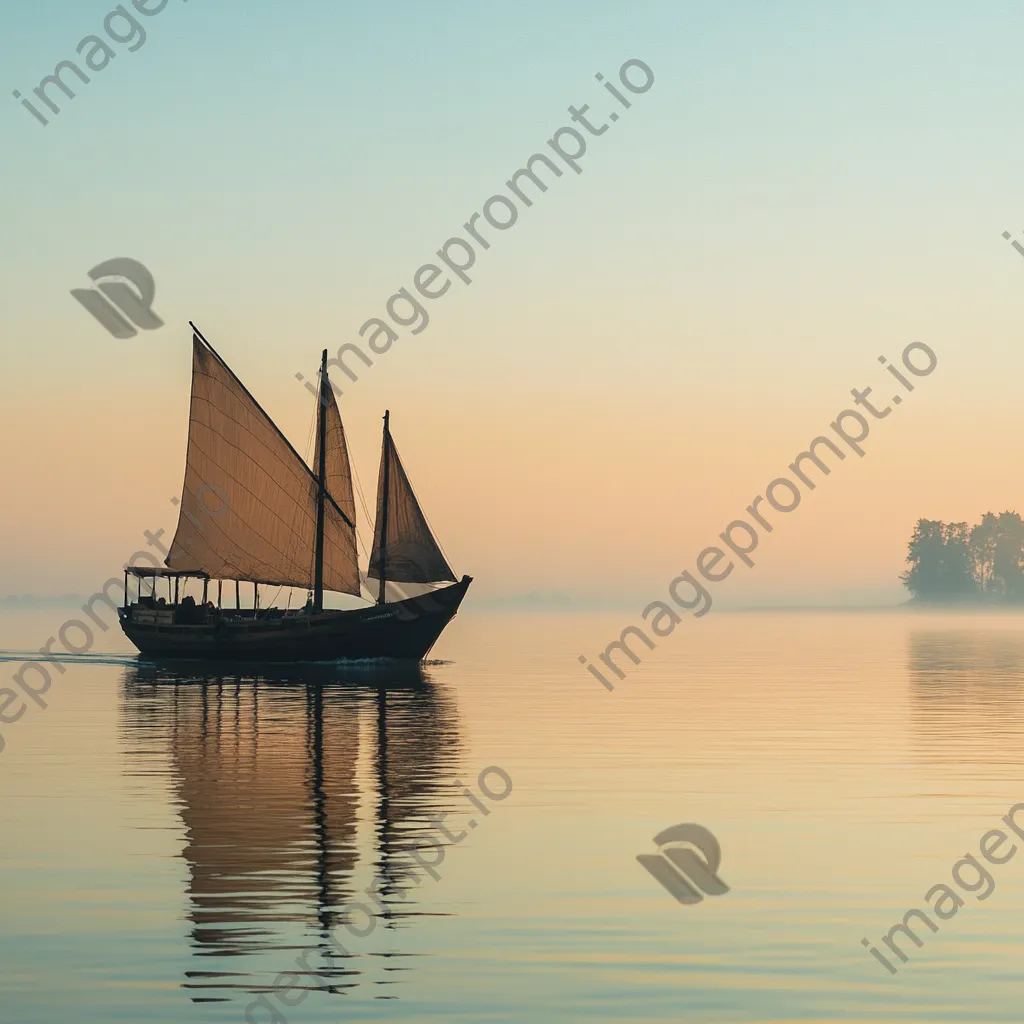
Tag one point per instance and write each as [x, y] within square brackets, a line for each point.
[199, 670]
[61, 658]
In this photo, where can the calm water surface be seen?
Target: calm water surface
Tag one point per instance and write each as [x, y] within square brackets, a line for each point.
[172, 841]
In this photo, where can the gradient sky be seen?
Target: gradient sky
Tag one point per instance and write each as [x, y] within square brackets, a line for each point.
[799, 192]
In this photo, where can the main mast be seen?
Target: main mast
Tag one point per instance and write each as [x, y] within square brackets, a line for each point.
[385, 474]
[321, 473]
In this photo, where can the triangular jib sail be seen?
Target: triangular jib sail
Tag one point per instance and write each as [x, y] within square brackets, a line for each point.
[404, 549]
[248, 509]
[338, 474]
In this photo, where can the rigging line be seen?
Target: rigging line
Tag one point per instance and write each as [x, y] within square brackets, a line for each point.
[266, 416]
[249, 492]
[353, 476]
[219, 551]
[314, 422]
[311, 442]
[419, 504]
[338, 444]
[366, 513]
[360, 493]
[433, 533]
[277, 516]
[242, 425]
[311, 438]
[239, 450]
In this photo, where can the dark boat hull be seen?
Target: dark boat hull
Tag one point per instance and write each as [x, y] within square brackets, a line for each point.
[402, 630]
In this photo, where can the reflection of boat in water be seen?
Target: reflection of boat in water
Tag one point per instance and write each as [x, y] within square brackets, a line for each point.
[277, 797]
[252, 510]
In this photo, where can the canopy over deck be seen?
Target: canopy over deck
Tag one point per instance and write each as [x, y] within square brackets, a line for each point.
[147, 572]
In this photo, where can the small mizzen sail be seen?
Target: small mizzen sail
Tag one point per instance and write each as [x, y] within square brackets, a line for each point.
[249, 503]
[404, 549]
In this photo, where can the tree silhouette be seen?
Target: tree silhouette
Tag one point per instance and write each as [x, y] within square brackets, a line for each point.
[941, 563]
[983, 552]
[958, 562]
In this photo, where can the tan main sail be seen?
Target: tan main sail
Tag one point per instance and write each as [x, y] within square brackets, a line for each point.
[248, 509]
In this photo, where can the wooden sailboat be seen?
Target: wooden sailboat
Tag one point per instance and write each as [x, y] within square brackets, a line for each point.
[253, 511]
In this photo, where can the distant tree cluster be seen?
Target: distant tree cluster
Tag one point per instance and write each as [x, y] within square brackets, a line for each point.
[959, 562]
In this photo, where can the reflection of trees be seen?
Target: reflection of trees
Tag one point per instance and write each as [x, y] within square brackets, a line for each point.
[966, 689]
[270, 784]
[955, 561]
